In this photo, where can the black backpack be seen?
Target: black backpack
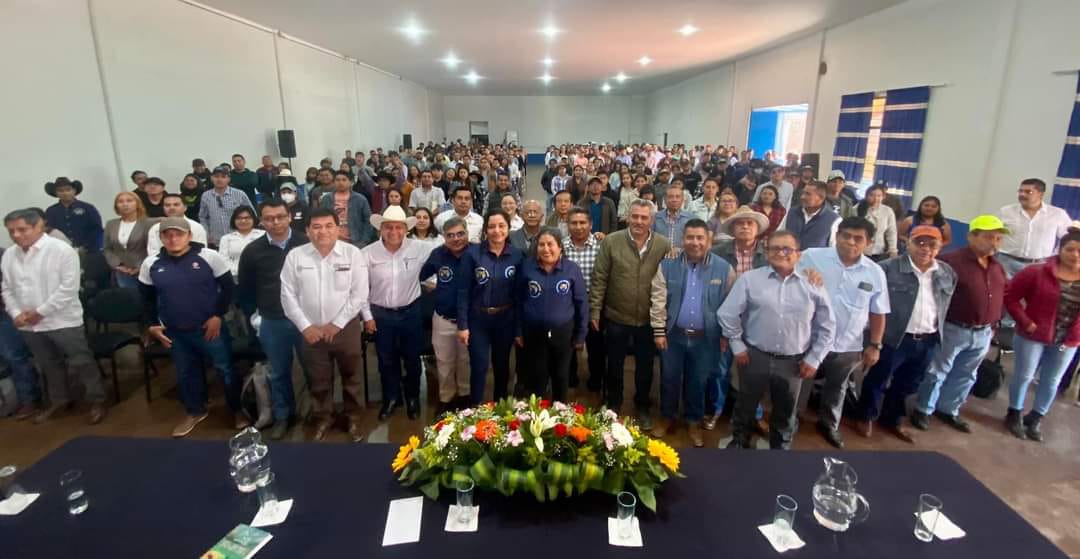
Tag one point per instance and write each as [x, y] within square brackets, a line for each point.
[990, 377]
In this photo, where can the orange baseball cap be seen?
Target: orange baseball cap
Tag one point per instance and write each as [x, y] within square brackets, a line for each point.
[925, 231]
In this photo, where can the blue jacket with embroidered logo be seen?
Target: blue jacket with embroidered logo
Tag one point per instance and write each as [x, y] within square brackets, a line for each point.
[550, 300]
[489, 279]
[444, 266]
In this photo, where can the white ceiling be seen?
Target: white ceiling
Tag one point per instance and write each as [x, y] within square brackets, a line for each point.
[501, 42]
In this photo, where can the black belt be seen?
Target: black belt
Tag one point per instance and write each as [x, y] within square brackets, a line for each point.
[493, 310]
[778, 356]
[1024, 260]
[921, 337]
[969, 326]
[689, 332]
[450, 320]
[395, 309]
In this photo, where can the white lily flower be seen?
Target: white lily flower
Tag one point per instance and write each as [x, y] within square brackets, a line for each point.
[539, 444]
[621, 434]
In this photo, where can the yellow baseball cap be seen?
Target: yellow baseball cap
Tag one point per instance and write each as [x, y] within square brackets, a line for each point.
[988, 223]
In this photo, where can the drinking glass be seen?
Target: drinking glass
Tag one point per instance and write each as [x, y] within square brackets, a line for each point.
[465, 501]
[927, 518]
[784, 517]
[7, 482]
[625, 517]
[71, 483]
[265, 490]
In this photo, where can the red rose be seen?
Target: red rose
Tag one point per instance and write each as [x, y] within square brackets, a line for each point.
[515, 424]
[545, 404]
[579, 409]
[560, 430]
[439, 426]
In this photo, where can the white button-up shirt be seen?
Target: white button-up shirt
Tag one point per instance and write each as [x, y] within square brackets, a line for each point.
[1033, 237]
[431, 198]
[317, 290]
[45, 279]
[394, 277]
[474, 224]
[924, 314]
[153, 237]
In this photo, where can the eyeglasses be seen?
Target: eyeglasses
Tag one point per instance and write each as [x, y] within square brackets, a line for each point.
[458, 235]
[532, 212]
[785, 251]
[925, 242]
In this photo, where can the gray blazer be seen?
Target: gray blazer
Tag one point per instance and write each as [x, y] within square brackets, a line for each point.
[134, 252]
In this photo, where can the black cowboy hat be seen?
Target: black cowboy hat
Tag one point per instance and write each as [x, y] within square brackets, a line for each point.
[50, 187]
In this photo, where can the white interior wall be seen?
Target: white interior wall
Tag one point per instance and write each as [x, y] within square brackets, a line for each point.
[436, 123]
[53, 110]
[181, 82]
[695, 111]
[542, 120]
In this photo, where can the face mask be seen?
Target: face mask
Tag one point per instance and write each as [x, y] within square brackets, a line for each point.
[288, 197]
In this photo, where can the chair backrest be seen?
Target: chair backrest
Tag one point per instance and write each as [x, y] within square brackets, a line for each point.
[115, 305]
[96, 275]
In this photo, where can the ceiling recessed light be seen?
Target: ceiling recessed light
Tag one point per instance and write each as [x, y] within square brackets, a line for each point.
[688, 30]
[606, 87]
[621, 77]
[472, 77]
[550, 31]
[547, 61]
[413, 31]
[451, 60]
[546, 78]
[644, 60]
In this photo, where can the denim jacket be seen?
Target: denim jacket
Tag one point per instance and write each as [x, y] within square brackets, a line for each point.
[361, 232]
[903, 289]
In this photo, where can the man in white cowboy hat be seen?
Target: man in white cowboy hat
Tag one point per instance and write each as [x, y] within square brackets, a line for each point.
[392, 309]
[744, 251]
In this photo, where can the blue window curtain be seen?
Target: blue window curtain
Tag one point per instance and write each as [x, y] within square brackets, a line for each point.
[901, 140]
[853, 128]
[1067, 186]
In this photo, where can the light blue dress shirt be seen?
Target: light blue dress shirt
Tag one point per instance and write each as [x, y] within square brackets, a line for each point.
[690, 310]
[782, 316]
[854, 291]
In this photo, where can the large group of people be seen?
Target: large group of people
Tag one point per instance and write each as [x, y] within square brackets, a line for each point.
[742, 276]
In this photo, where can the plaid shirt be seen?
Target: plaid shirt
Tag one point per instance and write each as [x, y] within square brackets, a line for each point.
[584, 257]
[216, 211]
[744, 260]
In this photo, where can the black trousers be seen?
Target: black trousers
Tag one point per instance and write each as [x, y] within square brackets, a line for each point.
[594, 346]
[619, 339]
[549, 351]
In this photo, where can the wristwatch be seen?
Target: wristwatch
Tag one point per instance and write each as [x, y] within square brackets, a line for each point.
[875, 345]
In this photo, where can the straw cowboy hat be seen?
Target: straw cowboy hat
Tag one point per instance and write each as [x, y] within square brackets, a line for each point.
[745, 212]
[391, 215]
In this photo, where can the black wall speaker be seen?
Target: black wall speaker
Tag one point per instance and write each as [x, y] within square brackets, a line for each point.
[813, 160]
[286, 142]
[406, 140]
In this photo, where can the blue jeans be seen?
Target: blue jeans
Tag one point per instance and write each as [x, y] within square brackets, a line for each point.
[188, 350]
[125, 281]
[900, 369]
[953, 369]
[279, 338]
[490, 339]
[687, 364]
[716, 386]
[396, 341]
[1050, 361]
[14, 352]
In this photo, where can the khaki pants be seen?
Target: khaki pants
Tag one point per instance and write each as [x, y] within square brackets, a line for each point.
[451, 357]
[344, 352]
[65, 359]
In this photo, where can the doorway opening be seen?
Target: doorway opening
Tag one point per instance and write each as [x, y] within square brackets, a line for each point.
[478, 132]
[780, 129]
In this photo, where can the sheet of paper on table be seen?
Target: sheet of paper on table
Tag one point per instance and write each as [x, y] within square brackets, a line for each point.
[452, 524]
[403, 521]
[270, 516]
[945, 529]
[782, 539]
[613, 533]
[17, 503]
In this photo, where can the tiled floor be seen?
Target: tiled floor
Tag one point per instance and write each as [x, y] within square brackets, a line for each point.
[1041, 481]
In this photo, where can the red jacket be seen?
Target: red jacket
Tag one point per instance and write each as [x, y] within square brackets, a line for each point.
[1032, 297]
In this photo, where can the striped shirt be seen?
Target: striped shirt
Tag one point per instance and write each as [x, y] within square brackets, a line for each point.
[215, 211]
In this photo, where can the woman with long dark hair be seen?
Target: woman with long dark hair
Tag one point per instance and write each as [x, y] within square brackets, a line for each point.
[873, 208]
[928, 213]
[553, 312]
[486, 318]
[769, 204]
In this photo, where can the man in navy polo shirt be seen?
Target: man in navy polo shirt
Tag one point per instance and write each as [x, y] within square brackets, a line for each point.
[451, 357]
[188, 288]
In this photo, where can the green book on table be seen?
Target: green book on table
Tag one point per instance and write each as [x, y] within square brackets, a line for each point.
[241, 542]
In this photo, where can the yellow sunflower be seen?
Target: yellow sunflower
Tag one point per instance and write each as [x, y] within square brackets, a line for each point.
[665, 454]
[405, 454]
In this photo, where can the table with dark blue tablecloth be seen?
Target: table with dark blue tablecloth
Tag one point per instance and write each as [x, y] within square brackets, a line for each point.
[153, 498]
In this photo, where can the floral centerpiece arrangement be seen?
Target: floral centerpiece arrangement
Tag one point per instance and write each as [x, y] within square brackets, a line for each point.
[548, 449]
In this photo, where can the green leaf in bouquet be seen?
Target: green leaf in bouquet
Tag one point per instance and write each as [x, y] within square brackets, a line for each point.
[646, 494]
[431, 489]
